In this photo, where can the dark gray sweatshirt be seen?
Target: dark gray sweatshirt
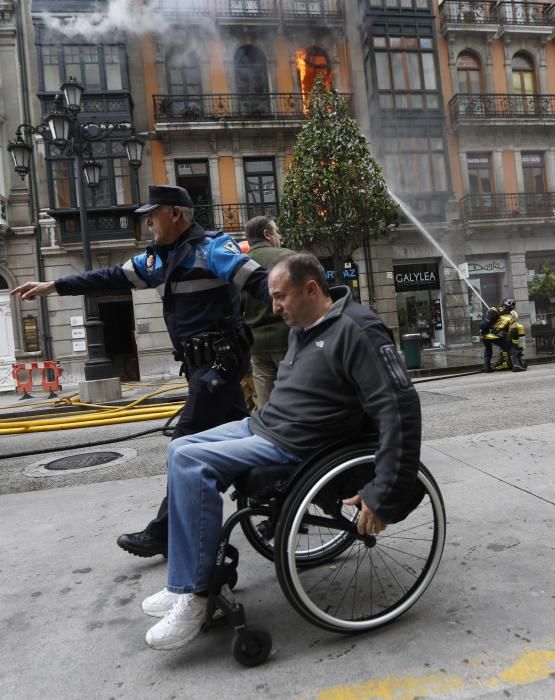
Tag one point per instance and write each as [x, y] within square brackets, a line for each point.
[333, 378]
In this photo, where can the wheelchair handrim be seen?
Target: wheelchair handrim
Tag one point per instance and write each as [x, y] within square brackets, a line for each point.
[417, 590]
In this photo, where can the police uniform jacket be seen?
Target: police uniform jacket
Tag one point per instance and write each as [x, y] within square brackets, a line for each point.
[199, 279]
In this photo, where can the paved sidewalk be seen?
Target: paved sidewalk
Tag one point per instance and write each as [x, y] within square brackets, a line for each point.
[72, 626]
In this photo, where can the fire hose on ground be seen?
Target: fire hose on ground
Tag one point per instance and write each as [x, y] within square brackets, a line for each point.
[102, 416]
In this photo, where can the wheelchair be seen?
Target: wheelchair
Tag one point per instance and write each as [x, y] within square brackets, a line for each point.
[335, 578]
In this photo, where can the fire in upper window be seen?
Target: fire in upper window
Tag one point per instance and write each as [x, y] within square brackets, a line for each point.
[312, 62]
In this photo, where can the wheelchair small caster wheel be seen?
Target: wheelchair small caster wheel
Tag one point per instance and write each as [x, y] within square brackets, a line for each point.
[251, 646]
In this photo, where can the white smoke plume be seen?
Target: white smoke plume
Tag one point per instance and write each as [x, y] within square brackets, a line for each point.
[119, 17]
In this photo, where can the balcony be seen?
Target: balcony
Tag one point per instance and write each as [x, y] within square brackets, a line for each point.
[312, 10]
[115, 105]
[111, 224]
[206, 111]
[232, 218]
[241, 10]
[468, 16]
[182, 8]
[489, 109]
[523, 205]
[525, 18]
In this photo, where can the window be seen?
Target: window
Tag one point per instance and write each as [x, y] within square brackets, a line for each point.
[51, 68]
[183, 73]
[469, 74]
[97, 67]
[113, 67]
[184, 81]
[524, 81]
[312, 62]
[406, 72]
[251, 74]
[260, 186]
[480, 180]
[416, 164]
[115, 188]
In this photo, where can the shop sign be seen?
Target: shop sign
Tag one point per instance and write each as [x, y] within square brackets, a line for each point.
[349, 273]
[413, 277]
[485, 267]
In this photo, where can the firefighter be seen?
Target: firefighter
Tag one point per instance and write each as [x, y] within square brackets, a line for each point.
[517, 343]
[494, 330]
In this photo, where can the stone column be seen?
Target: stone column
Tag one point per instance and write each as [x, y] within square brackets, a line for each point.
[381, 263]
[519, 283]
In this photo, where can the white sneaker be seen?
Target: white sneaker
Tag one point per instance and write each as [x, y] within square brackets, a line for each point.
[159, 604]
[180, 625]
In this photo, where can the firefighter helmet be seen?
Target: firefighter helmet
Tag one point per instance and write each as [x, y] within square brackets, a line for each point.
[508, 304]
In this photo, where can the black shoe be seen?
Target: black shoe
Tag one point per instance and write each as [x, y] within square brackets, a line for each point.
[518, 368]
[143, 544]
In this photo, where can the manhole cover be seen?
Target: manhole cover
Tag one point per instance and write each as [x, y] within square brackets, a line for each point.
[82, 461]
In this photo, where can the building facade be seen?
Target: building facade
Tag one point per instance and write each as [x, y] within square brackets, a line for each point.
[456, 100]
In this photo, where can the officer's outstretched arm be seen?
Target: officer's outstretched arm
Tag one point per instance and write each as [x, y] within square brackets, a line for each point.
[226, 261]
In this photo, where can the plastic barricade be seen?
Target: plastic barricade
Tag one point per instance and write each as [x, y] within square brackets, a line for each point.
[30, 376]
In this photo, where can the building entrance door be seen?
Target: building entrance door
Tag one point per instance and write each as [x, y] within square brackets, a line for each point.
[7, 345]
[194, 176]
[116, 313]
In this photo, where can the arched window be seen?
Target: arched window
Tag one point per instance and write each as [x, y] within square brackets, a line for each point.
[251, 72]
[469, 74]
[524, 78]
[183, 73]
[311, 62]
[184, 84]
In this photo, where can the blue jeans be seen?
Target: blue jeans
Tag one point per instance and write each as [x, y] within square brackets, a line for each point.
[199, 468]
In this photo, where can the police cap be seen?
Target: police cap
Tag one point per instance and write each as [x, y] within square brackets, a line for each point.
[165, 194]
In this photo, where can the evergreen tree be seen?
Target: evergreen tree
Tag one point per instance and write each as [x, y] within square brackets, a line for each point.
[334, 196]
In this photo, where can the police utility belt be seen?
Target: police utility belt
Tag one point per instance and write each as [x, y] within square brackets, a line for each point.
[212, 348]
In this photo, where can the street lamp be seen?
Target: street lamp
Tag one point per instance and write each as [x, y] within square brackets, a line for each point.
[62, 128]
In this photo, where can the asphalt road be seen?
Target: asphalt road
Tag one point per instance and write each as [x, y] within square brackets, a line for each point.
[69, 599]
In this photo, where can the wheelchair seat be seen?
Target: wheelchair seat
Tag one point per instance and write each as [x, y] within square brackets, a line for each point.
[264, 482]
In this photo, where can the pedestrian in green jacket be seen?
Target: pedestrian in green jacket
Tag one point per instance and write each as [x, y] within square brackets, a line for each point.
[269, 331]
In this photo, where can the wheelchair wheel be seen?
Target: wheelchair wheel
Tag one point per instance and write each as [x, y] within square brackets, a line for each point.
[316, 544]
[374, 579]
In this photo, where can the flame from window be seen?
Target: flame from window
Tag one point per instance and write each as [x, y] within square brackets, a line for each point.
[311, 63]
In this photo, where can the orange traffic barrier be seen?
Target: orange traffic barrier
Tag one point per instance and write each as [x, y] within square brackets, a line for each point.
[34, 375]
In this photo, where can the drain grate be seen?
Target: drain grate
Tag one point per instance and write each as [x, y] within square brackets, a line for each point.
[82, 461]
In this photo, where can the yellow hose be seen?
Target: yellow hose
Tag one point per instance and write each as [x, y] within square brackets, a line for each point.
[88, 417]
[92, 424]
[103, 415]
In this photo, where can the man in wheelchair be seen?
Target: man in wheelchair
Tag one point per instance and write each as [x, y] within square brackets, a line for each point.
[341, 369]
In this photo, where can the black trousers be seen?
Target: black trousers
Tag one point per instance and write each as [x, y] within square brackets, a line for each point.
[204, 410]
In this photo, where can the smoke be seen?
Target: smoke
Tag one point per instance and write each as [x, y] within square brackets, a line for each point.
[119, 17]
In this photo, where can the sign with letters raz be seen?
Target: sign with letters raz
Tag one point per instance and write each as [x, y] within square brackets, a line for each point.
[414, 277]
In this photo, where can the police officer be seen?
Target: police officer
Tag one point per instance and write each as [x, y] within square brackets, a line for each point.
[199, 276]
[494, 330]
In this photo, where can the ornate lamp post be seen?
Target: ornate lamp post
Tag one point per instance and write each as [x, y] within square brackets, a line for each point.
[73, 138]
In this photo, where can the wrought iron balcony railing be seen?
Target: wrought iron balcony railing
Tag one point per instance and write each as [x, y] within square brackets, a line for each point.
[467, 12]
[312, 8]
[475, 107]
[200, 108]
[183, 8]
[525, 13]
[482, 12]
[231, 217]
[246, 8]
[479, 207]
[114, 223]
